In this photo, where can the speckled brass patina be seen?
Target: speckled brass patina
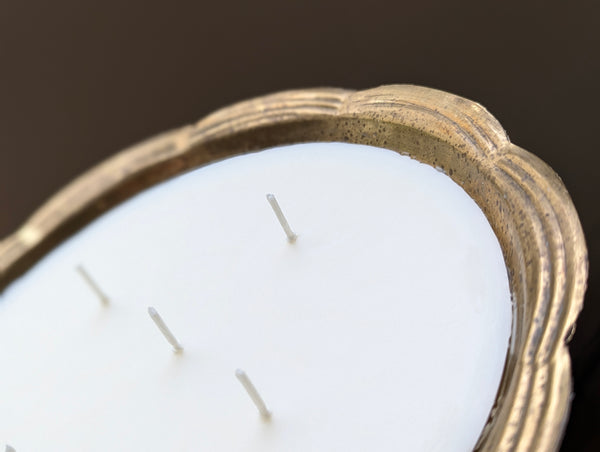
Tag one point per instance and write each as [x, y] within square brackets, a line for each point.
[523, 199]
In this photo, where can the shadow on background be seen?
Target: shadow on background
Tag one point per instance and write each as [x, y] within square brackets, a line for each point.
[80, 81]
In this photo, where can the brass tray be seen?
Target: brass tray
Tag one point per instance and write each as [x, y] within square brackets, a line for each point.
[523, 199]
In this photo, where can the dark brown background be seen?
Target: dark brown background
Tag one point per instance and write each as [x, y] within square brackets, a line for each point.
[79, 81]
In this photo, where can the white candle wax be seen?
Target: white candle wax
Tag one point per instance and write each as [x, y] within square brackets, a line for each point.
[383, 327]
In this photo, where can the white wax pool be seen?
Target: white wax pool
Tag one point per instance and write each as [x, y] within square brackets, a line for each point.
[384, 327]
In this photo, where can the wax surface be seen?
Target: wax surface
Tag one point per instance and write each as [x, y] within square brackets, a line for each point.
[384, 327]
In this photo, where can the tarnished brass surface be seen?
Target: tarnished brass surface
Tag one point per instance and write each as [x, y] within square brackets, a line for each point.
[523, 199]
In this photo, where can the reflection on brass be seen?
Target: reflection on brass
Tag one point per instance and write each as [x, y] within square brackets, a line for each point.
[523, 199]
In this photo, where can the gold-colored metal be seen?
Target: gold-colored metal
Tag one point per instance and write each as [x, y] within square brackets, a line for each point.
[523, 199]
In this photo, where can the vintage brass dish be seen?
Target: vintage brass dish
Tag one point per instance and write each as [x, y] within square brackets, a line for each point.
[523, 199]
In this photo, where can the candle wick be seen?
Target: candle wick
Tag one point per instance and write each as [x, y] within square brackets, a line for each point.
[160, 323]
[291, 236]
[253, 393]
[93, 285]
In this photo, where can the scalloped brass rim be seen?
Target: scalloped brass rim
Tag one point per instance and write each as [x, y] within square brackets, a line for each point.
[523, 199]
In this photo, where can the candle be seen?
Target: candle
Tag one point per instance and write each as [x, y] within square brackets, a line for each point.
[383, 326]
